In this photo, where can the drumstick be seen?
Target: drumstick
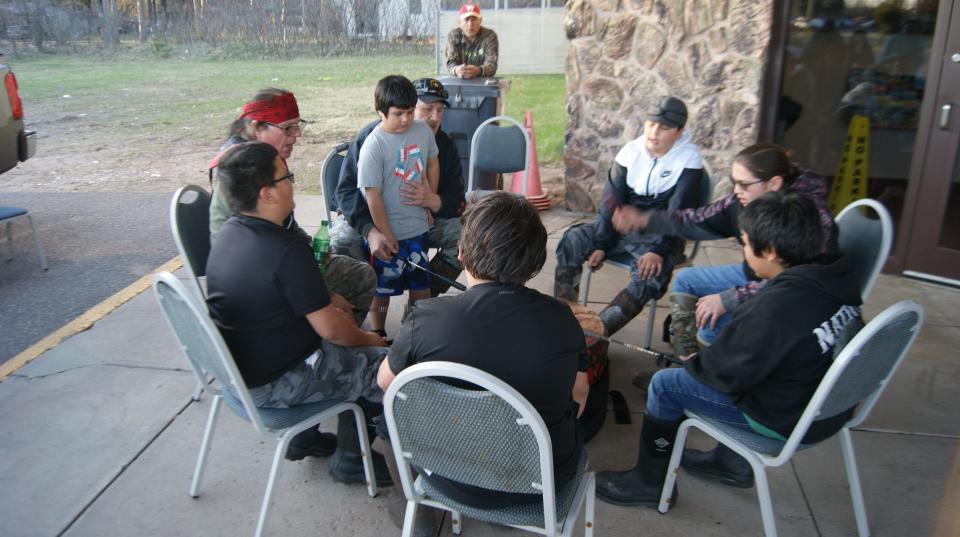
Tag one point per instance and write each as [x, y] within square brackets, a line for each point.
[661, 357]
[453, 283]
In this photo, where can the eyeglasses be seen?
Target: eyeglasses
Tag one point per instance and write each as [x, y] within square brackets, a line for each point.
[288, 176]
[289, 130]
[742, 184]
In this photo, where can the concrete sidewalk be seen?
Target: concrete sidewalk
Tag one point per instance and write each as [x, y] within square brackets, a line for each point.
[99, 437]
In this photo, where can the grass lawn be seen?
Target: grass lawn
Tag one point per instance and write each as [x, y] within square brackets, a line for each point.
[198, 98]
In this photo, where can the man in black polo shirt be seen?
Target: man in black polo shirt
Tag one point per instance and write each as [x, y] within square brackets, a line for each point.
[293, 340]
[446, 205]
[527, 339]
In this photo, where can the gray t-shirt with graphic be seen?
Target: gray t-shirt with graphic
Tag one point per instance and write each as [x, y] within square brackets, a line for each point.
[386, 161]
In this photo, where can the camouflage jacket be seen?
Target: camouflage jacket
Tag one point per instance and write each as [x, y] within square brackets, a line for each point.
[482, 52]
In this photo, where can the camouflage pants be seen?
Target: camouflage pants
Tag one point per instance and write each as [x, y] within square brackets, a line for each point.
[576, 245]
[444, 235]
[331, 373]
[354, 280]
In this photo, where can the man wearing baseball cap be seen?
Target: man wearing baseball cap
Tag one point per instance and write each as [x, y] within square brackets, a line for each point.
[472, 49]
[660, 169]
[446, 205]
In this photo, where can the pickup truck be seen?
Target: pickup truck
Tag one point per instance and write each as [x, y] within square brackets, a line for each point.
[16, 144]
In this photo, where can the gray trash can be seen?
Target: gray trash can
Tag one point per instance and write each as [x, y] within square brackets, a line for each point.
[472, 102]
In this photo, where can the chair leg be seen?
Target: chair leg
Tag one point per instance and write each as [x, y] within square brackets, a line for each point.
[271, 481]
[365, 451]
[409, 518]
[853, 477]
[766, 503]
[651, 318]
[9, 242]
[456, 522]
[197, 391]
[585, 284]
[36, 240]
[673, 467]
[590, 507]
[205, 446]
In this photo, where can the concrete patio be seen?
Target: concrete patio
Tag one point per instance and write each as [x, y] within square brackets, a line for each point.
[99, 437]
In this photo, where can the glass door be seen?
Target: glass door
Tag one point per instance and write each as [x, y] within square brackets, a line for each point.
[932, 234]
[857, 63]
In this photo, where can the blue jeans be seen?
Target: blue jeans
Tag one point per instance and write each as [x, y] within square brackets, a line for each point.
[673, 390]
[703, 281]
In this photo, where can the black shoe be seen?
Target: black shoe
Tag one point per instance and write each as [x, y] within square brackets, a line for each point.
[630, 488]
[311, 443]
[346, 465]
[348, 469]
[721, 464]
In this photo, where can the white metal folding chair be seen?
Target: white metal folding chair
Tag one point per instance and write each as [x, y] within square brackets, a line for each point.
[625, 262]
[498, 149]
[202, 343]
[330, 176]
[190, 225]
[866, 240]
[857, 377]
[491, 438]
[7, 216]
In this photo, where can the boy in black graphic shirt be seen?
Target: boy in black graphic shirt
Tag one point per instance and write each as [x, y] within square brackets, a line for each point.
[761, 371]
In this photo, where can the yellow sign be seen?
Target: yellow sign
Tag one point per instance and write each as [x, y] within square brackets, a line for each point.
[850, 182]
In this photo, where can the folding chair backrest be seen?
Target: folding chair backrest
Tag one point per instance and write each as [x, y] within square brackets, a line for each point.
[499, 149]
[865, 239]
[190, 224]
[201, 341]
[330, 176]
[486, 438]
[864, 367]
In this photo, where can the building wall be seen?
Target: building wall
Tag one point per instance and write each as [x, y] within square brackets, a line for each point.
[626, 54]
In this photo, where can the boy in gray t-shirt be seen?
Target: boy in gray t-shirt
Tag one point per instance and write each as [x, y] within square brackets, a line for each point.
[400, 149]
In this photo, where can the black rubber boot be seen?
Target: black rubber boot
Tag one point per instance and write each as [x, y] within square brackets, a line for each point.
[642, 484]
[439, 266]
[311, 443]
[722, 464]
[346, 465]
[621, 311]
[566, 283]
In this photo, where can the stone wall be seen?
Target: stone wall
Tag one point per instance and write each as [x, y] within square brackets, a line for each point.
[626, 54]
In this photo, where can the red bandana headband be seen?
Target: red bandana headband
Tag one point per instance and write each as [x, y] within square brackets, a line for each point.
[276, 109]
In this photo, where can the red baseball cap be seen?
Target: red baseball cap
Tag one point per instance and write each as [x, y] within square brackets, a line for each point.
[470, 10]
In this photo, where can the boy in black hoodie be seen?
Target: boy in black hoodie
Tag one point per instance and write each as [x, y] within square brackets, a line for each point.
[761, 372]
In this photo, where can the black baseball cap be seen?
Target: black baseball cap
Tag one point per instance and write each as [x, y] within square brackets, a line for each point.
[430, 90]
[670, 112]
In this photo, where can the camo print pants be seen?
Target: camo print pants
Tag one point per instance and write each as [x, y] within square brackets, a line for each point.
[331, 373]
[354, 280]
[444, 235]
[576, 245]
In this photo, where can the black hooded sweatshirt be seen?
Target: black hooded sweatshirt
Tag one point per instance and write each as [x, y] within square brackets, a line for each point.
[777, 347]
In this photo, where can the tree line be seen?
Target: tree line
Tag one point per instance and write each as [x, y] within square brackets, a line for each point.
[267, 26]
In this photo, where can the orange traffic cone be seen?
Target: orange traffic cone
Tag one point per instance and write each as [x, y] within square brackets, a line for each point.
[534, 193]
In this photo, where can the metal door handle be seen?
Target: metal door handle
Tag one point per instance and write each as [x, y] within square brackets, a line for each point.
[945, 115]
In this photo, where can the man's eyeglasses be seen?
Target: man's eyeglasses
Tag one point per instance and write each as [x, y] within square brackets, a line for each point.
[743, 184]
[289, 130]
[288, 176]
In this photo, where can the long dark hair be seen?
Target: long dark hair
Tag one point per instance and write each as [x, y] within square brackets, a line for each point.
[766, 161]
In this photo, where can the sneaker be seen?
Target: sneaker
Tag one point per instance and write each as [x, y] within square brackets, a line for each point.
[311, 443]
